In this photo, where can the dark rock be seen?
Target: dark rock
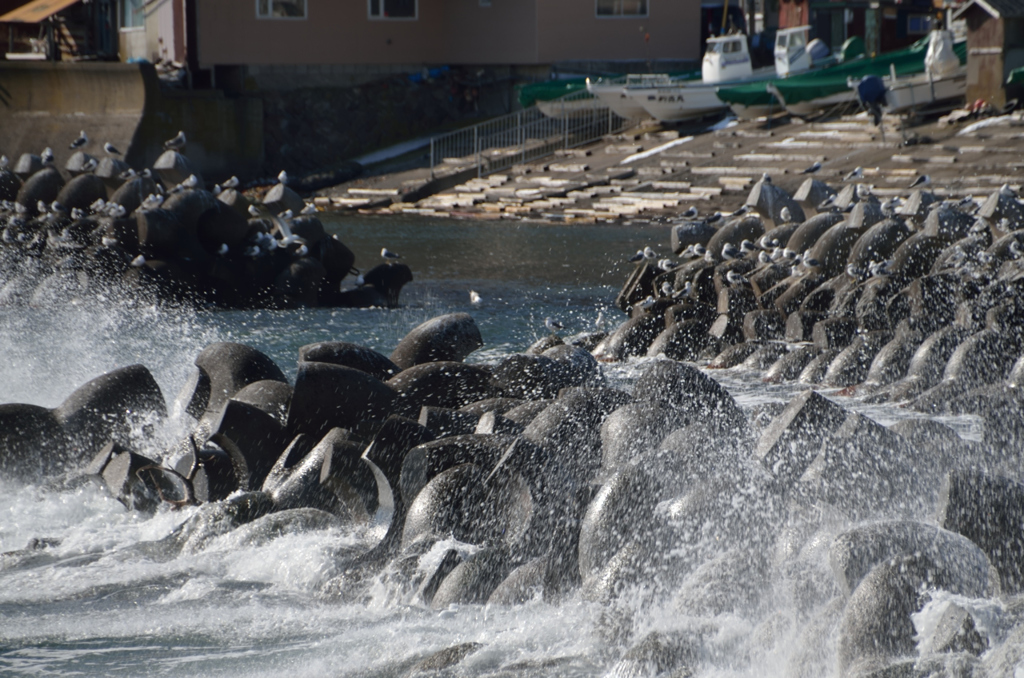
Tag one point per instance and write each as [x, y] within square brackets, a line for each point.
[989, 511]
[444, 421]
[32, 442]
[272, 397]
[449, 337]
[789, 445]
[441, 384]
[790, 365]
[253, 439]
[852, 364]
[223, 369]
[328, 395]
[43, 185]
[834, 332]
[110, 407]
[877, 621]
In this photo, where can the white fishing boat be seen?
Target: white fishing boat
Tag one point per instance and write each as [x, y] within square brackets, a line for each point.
[726, 61]
[727, 64]
[944, 79]
[621, 94]
[902, 76]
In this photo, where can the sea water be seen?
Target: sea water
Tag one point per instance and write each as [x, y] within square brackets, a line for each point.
[95, 603]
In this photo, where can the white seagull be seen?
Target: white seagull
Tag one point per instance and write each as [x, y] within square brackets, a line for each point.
[857, 173]
[553, 325]
[282, 177]
[735, 278]
[111, 149]
[82, 140]
[812, 169]
[388, 255]
[176, 142]
[923, 180]
[474, 298]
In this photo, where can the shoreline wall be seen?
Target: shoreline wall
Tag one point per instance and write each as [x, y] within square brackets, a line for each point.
[47, 104]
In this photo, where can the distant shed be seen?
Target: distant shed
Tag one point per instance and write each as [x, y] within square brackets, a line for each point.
[995, 46]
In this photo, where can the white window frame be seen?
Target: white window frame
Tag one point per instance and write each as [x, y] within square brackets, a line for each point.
[381, 17]
[647, 12]
[271, 17]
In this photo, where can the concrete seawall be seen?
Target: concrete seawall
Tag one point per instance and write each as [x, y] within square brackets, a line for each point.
[46, 104]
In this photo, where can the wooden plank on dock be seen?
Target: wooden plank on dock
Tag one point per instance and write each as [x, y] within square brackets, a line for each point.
[934, 159]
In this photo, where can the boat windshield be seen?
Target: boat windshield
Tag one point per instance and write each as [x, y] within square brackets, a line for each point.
[725, 46]
[781, 40]
[798, 39]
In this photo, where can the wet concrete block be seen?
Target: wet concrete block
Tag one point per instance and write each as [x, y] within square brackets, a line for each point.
[790, 443]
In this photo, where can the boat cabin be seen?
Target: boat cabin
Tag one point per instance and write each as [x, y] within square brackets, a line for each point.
[727, 58]
[791, 53]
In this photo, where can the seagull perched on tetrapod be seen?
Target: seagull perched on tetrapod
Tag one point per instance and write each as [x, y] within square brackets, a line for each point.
[812, 169]
[691, 212]
[857, 173]
[730, 251]
[82, 140]
[176, 142]
[111, 149]
[923, 180]
[735, 278]
[553, 325]
[388, 256]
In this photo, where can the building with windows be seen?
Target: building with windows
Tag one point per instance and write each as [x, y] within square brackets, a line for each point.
[309, 37]
[885, 25]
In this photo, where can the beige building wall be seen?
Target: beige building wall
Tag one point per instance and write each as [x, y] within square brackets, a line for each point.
[335, 31]
[446, 32]
[503, 33]
[570, 30]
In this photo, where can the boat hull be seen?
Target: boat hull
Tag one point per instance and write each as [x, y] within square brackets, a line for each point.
[917, 91]
[682, 103]
[744, 112]
[619, 100]
[804, 109]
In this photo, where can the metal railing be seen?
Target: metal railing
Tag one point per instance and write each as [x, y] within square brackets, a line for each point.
[540, 130]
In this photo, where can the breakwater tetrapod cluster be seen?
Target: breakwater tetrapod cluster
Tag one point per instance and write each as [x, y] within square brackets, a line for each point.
[845, 547]
[101, 226]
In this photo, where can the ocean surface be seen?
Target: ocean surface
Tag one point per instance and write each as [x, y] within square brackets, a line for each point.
[95, 603]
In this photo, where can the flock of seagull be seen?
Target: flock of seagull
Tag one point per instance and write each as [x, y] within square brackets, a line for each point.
[262, 244]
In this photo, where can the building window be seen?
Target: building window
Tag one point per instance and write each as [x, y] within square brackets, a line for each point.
[132, 13]
[918, 24]
[393, 9]
[628, 8]
[280, 9]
